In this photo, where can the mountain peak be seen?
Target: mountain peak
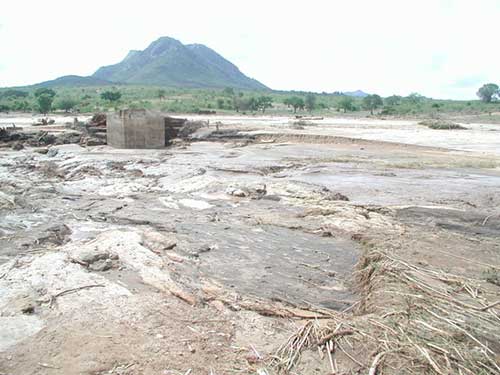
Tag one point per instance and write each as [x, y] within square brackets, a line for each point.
[167, 61]
[164, 42]
[356, 93]
[162, 45]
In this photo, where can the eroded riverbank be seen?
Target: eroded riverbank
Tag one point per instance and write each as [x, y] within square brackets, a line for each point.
[207, 256]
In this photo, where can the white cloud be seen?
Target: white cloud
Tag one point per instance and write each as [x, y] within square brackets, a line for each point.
[383, 46]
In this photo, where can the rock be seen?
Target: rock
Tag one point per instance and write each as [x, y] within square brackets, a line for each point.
[88, 141]
[337, 197]
[17, 146]
[88, 255]
[7, 201]
[203, 249]
[255, 191]
[158, 242]
[236, 192]
[101, 265]
[52, 152]
[42, 150]
[175, 257]
[57, 234]
[274, 198]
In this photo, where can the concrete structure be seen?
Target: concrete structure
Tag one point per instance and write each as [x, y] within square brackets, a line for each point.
[141, 128]
[135, 128]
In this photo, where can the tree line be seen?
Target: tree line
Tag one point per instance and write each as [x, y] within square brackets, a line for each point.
[44, 100]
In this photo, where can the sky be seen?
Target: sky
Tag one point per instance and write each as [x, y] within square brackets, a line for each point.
[439, 48]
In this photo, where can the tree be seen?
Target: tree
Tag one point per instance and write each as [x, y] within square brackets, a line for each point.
[310, 102]
[346, 103]
[415, 98]
[228, 91]
[237, 103]
[372, 102]
[264, 102]
[20, 105]
[161, 94]
[44, 98]
[249, 104]
[295, 102]
[111, 96]
[252, 104]
[393, 100]
[66, 104]
[488, 92]
[220, 103]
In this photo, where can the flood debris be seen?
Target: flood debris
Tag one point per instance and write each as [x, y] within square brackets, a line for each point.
[442, 124]
[44, 121]
[255, 192]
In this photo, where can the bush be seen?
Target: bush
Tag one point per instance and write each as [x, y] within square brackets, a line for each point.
[111, 96]
[220, 103]
[388, 110]
[66, 104]
[20, 105]
[4, 108]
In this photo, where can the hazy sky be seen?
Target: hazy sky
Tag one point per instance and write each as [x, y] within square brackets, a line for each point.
[439, 48]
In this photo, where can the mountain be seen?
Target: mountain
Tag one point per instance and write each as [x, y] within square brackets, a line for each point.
[168, 62]
[73, 81]
[357, 93]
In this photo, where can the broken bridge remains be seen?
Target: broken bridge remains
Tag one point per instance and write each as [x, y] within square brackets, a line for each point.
[141, 128]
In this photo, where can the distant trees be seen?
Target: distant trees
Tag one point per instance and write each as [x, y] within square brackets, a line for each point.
[13, 94]
[488, 92]
[220, 103]
[414, 98]
[228, 91]
[111, 96]
[372, 102]
[295, 102]
[161, 93]
[66, 104]
[250, 104]
[253, 103]
[264, 102]
[44, 98]
[238, 102]
[393, 100]
[310, 102]
[346, 103]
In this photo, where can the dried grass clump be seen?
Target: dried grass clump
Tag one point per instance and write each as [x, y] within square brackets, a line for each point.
[427, 322]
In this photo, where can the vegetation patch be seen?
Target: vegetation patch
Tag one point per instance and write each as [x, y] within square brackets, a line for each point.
[442, 125]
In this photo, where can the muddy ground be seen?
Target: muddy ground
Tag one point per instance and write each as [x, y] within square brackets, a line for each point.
[255, 250]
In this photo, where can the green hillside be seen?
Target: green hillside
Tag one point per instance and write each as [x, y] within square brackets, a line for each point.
[168, 62]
